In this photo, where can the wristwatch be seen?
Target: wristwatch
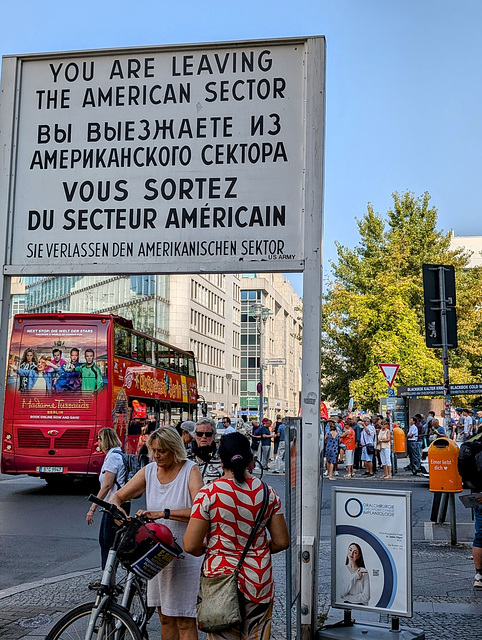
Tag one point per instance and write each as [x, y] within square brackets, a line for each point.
[167, 514]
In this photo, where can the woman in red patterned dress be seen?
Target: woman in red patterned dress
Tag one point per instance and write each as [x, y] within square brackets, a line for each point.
[223, 514]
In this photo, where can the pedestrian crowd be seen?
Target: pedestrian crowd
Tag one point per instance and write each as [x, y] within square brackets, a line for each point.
[362, 444]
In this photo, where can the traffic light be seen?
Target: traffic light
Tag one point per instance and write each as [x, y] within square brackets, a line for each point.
[432, 273]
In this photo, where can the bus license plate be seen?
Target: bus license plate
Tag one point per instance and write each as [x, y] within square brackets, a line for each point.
[50, 469]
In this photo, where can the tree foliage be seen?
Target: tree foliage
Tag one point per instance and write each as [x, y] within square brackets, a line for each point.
[373, 306]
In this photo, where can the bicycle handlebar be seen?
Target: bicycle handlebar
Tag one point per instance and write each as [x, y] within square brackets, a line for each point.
[115, 512]
[109, 507]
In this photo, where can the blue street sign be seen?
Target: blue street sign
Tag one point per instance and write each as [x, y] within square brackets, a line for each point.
[391, 392]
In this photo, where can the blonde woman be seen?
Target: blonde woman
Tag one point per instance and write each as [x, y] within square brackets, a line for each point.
[110, 478]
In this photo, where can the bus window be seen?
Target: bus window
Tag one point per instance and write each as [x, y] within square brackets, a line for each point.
[187, 412]
[135, 426]
[173, 360]
[191, 368]
[133, 346]
[176, 415]
[148, 355]
[151, 423]
[162, 356]
[141, 348]
[164, 414]
[182, 364]
[122, 341]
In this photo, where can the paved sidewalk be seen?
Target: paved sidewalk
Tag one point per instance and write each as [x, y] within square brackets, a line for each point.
[445, 603]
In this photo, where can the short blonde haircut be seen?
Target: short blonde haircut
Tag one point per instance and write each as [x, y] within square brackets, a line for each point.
[108, 439]
[169, 439]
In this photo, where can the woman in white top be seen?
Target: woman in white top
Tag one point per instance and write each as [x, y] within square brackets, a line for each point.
[171, 482]
[356, 584]
[110, 478]
[385, 449]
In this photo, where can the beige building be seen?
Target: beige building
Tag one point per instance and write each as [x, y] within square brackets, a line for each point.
[270, 322]
[469, 243]
[205, 318]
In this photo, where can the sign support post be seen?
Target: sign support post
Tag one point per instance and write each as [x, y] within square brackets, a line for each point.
[390, 373]
[445, 347]
[310, 394]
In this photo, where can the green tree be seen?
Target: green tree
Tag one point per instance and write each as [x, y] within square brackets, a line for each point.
[373, 306]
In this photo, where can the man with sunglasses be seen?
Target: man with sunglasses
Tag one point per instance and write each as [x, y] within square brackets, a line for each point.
[204, 444]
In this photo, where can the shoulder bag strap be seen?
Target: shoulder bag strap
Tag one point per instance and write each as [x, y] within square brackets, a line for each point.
[123, 462]
[259, 517]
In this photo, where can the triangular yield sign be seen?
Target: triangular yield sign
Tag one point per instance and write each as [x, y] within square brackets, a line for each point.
[389, 372]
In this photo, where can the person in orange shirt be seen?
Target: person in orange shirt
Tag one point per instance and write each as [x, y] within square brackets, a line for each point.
[347, 438]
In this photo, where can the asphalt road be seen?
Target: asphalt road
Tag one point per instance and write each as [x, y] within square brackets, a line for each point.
[43, 531]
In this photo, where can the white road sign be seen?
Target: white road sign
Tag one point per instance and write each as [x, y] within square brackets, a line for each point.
[182, 157]
[275, 362]
[389, 372]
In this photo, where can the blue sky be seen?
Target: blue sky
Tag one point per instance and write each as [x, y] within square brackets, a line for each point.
[404, 83]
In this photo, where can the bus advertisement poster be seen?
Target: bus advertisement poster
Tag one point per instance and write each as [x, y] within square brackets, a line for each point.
[58, 368]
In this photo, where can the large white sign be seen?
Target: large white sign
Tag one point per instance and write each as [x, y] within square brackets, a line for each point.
[175, 158]
[372, 550]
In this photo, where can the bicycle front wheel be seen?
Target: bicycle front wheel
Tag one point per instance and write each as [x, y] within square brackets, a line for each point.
[114, 623]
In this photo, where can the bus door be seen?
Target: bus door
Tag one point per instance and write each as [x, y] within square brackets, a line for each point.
[136, 431]
[164, 413]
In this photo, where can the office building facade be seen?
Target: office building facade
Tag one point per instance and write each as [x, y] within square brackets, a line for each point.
[270, 329]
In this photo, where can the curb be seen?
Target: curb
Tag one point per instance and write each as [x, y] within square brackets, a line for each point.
[13, 591]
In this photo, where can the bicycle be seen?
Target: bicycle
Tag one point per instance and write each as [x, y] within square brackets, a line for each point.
[106, 618]
[212, 469]
[256, 469]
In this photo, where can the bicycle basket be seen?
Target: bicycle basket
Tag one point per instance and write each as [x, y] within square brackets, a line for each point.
[145, 549]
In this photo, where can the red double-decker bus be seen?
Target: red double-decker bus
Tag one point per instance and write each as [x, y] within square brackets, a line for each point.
[70, 375]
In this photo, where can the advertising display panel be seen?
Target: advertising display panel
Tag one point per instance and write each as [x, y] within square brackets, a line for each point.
[371, 566]
[168, 156]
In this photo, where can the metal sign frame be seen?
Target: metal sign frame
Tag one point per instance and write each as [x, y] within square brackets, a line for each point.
[303, 127]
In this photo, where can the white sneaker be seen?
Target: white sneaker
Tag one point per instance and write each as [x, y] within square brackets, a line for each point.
[478, 581]
[336, 473]
[325, 474]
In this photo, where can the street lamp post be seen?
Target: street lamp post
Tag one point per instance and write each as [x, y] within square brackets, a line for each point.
[261, 314]
[227, 408]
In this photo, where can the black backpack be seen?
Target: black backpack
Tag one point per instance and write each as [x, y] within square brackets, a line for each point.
[131, 467]
[470, 462]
